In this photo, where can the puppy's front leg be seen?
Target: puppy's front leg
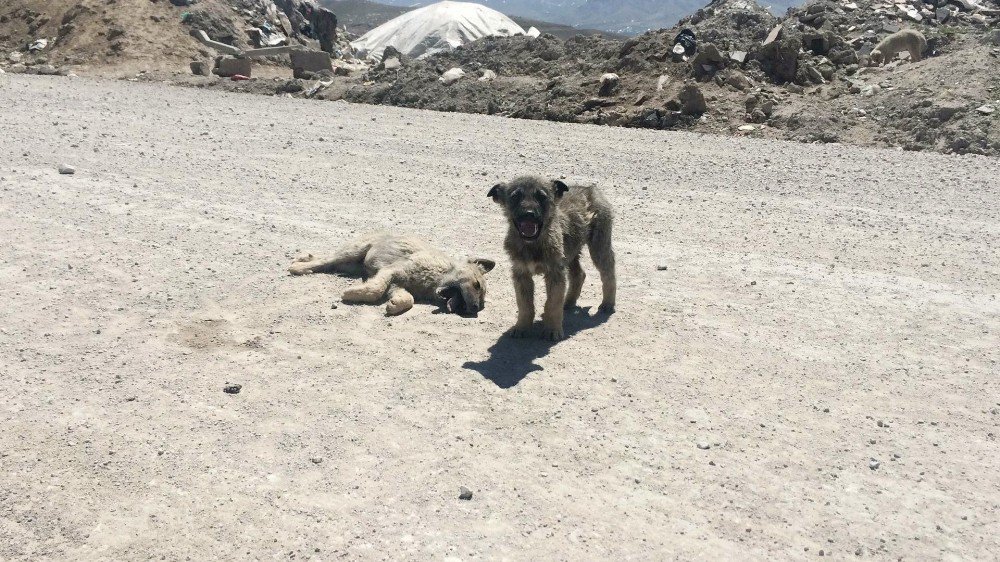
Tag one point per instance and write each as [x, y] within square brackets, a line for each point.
[524, 290]
[555, 298]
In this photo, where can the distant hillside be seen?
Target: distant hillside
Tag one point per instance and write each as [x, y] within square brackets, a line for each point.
[361, 16]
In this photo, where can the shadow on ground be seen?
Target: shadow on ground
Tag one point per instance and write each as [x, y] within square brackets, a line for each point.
[512, 359]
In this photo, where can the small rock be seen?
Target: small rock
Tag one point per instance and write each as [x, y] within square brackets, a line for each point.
[316, 460]
[873, 464]
[986, 109]
[488, 76]
[232, 388]
[66, 169]
[464, 493]
[704, 445]
[392, 64]
[661, 268]
[746, 128]
[609, 83]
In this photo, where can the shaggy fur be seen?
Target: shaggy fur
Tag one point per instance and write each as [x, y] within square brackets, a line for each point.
[549, 223]
[404, 268]
[905, 40]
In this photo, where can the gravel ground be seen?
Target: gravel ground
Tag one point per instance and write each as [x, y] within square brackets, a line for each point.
[804, 361]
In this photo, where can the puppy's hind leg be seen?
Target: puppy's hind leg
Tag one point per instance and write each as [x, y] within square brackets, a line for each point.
[576, 278]
[604, 259]
[400, 300]
[346, 259]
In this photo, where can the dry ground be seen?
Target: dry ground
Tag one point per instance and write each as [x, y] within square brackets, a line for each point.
[820, 306]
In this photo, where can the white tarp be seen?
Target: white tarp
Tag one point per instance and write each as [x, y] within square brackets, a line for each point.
[438, 27]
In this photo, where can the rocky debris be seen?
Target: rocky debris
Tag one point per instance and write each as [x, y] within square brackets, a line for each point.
[488, 76]
[986, 109]
[227, 67]
[692, 100]
[201, 68]
[232, 388]
[452, 75]
[609, 84]
[307, 62]
[464, 493]
[290, 87]
[66, 169]
[704, 445]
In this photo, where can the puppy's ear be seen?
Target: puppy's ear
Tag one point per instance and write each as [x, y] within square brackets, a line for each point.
[496, 192]
[445, 292]
[485, 264]
[560, 187]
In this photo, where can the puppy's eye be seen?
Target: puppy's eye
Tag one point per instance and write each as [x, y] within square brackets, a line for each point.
[517, 195]
[476, 285]
[541, 196]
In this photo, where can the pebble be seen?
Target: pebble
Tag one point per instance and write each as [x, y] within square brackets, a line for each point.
[232, 388]
[661, 268]
[703, 445]
[464, 493]
[66, 169]
[333, 306]
[873, 464]
[316, 460]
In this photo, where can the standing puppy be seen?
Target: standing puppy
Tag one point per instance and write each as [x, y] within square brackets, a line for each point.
[549, 224]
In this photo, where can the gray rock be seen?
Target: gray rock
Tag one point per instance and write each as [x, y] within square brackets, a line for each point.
[692, 100]
[232, 388]
[464, 493]
[201, 68]
[609, 83]
[873, 464]
[704, 445]
[66, 169]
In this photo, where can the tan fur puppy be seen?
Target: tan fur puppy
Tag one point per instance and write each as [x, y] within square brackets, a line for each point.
[404, 268]
[550, 222]
[909, 40]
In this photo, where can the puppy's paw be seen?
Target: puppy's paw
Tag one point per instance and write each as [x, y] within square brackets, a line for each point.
[518, 332]
[552, 334]
[569, 305]
[303, 265]
[606, 307]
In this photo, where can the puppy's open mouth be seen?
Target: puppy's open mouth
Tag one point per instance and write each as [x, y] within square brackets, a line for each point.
[453, 302]
[528, 228]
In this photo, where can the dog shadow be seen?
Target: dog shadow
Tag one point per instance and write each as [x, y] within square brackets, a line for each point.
[513, 359]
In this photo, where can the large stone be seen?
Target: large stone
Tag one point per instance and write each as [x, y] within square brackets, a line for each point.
[201, 68]
[307, 62]
[692, 100]
[231, 66]
[609, 83]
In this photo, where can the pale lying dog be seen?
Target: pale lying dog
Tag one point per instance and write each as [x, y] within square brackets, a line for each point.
[404, 268]
[905, 40]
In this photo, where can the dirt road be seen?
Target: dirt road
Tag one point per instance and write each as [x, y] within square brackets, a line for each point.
[826, 322]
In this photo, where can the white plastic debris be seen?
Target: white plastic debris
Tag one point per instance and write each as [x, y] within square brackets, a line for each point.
[438, 27]
[452, 75]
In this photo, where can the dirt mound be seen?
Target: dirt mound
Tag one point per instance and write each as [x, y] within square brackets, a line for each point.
[802, 77]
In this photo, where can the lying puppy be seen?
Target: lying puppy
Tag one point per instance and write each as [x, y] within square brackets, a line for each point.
[404, 268]
[549, 224]
[905, 40]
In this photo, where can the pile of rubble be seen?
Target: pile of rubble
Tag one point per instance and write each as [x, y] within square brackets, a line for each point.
[732, 67]
[804, 76]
